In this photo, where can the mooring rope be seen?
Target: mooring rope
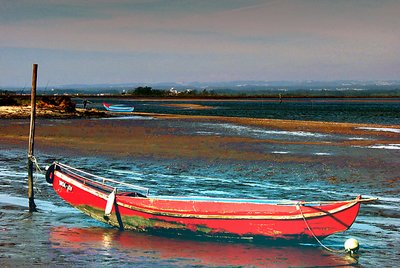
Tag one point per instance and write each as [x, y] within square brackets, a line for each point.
[364, 200]
[34, 161]
[38, 170]
[298, 206]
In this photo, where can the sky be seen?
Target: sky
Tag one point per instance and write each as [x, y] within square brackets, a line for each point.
[149, 41]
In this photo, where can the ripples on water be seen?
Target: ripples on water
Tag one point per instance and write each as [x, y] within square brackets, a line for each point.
[375, 111]
[61, 235]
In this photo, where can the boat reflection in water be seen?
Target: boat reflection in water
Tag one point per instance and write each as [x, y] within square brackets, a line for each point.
[131, 247]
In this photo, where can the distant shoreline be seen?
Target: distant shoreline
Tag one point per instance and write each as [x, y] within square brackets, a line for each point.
[205, 98]
[19, 107]
[242, 99]
[209, 97]
[235, 98]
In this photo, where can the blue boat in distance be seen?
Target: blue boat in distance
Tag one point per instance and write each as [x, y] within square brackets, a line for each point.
[119, 108]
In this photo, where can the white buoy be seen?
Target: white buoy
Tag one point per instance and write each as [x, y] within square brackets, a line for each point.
[351, 245]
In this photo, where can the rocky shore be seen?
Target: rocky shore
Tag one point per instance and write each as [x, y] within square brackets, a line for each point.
[21, 112]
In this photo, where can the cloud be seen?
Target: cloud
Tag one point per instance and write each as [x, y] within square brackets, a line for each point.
[285, 39]
[27, 10]
[23, 11]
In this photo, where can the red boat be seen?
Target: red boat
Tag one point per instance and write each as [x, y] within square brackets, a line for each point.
[293, 221]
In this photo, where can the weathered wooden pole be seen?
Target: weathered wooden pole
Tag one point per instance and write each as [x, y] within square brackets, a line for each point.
[31, 194]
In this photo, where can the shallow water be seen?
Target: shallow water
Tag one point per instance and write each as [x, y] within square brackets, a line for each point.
[374, 111]
[60, 235]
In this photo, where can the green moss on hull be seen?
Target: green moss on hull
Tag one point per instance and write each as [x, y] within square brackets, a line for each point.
[134, 222]
[160, 227]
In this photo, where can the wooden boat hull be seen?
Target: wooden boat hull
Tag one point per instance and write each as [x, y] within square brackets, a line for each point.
[292, 222]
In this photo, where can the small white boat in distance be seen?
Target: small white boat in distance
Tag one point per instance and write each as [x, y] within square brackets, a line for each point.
[119, 108]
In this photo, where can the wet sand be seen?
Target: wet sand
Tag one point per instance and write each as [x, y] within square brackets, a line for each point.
[142, 140]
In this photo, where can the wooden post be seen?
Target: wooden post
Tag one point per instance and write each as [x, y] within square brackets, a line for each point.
[32, 205]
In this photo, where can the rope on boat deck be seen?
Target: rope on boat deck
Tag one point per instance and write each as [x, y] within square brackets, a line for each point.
[298, 206]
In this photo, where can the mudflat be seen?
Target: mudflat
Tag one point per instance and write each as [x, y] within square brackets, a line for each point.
[120, 138]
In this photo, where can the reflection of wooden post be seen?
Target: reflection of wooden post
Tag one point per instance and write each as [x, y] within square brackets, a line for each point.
[32, 206]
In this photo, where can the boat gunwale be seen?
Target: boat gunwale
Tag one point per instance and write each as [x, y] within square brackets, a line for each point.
[184, 214]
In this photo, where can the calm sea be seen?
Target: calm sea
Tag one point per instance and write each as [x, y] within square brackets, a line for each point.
[61, 236]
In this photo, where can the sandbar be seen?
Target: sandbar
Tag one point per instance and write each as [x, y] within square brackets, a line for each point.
[115, 138]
